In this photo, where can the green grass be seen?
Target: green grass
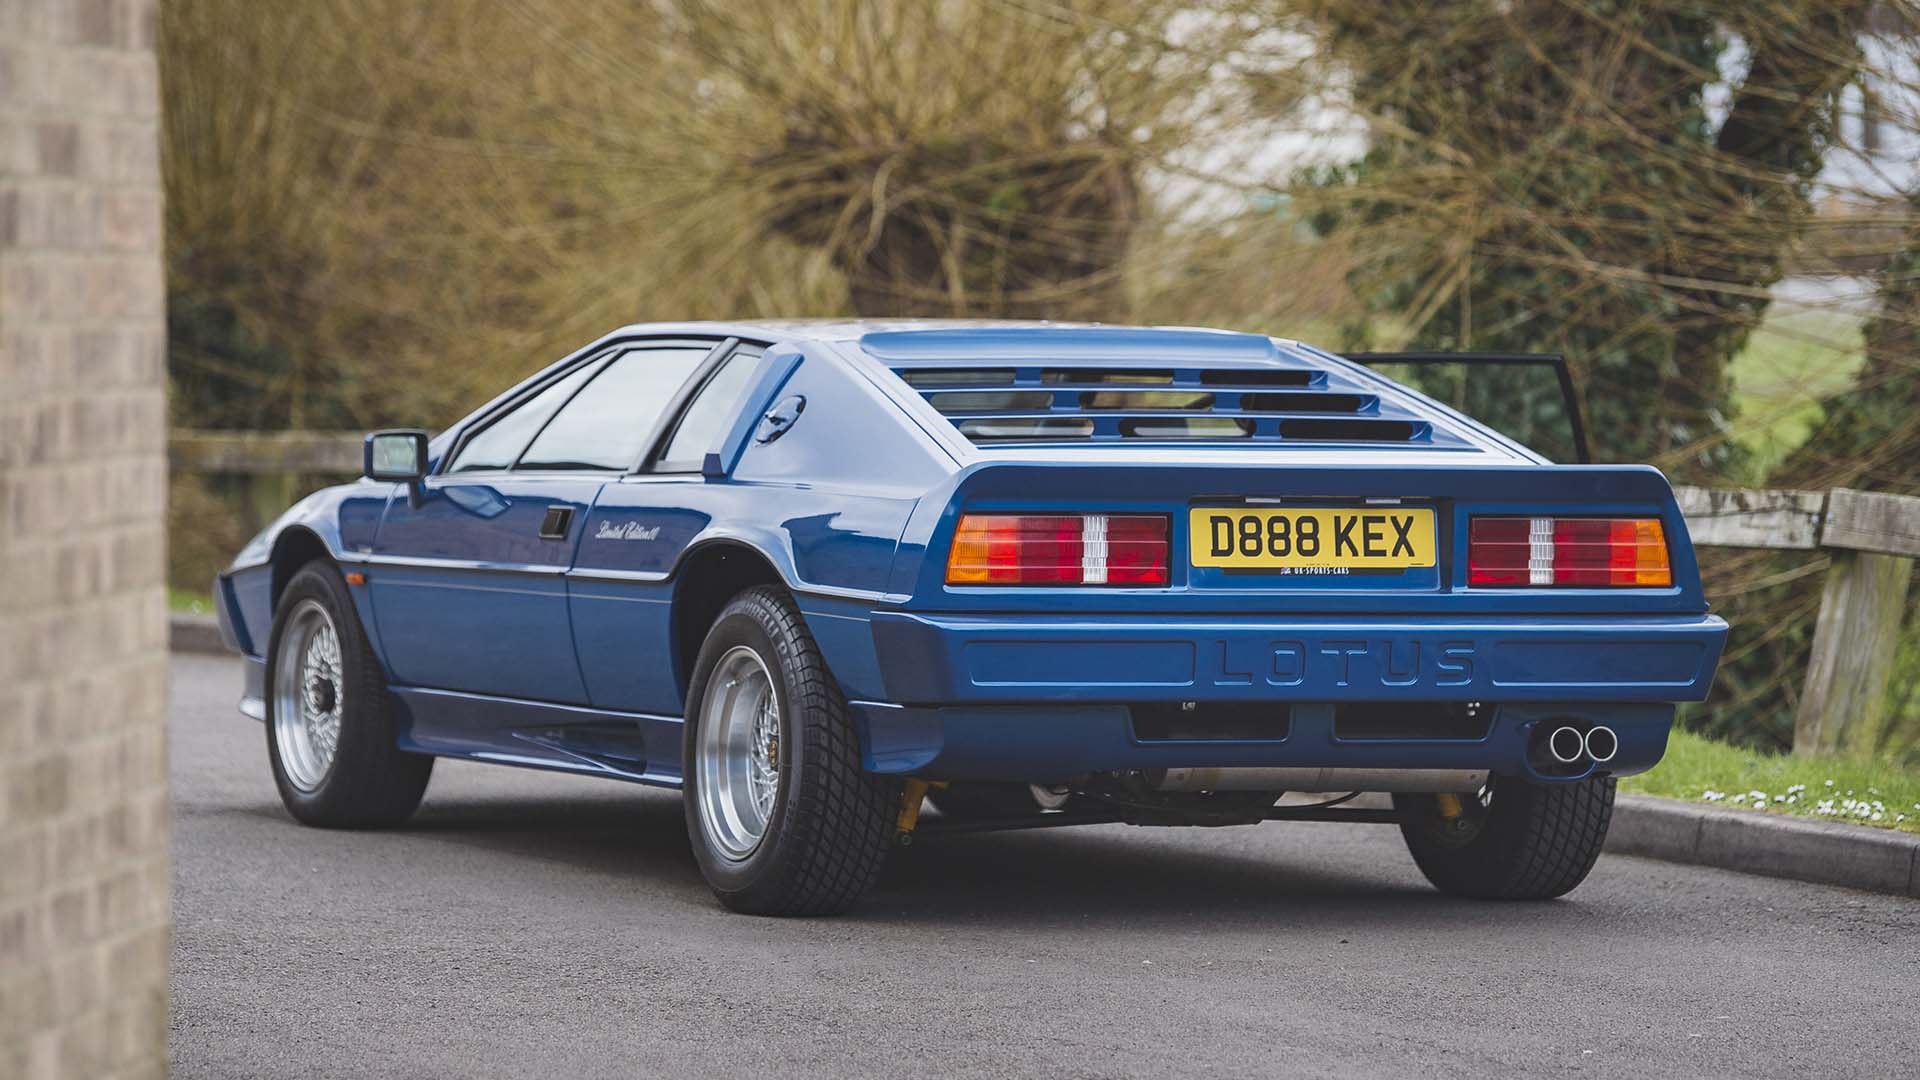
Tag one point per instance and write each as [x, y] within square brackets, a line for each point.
[189, 601]
[1695, 767]
[1790, 363]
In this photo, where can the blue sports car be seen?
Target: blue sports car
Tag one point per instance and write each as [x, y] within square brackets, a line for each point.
[815, 573]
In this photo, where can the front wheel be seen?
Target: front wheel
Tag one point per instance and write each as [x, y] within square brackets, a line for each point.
[1513, 841]
[331, 731]
[783, 818]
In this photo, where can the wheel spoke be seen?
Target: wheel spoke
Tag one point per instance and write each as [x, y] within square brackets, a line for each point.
[737, 753]
[307, 695]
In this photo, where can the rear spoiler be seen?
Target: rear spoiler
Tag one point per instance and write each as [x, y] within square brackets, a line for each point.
[1575, 419]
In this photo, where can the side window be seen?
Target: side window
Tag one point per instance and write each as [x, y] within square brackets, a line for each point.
[608, 421]
[706, 416]
[499, 443]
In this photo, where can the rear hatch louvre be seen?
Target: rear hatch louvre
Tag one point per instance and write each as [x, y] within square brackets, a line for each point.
[1122, 404]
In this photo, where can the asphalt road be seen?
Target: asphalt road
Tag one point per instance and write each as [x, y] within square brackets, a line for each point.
[529, 924]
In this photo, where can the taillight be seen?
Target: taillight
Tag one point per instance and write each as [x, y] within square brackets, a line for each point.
[1059, 549]
[1567, 551]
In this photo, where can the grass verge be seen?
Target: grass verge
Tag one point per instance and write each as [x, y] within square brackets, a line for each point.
[187, 601]
[1820, 788]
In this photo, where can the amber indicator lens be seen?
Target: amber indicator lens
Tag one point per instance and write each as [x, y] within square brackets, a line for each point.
[1059, 549]
[1536, 551]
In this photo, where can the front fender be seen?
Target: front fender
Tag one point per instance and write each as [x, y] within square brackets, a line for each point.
[338, 521]
[344, 518]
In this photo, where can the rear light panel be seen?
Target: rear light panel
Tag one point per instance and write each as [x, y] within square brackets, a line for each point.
[1592, 551]
[1059, 549]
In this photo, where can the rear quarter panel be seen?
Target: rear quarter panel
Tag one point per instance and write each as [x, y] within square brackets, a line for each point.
[842, 484]
[824, 502]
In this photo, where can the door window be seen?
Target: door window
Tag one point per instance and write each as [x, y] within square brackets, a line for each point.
[608, 421]
[705, 418]
[499, 443]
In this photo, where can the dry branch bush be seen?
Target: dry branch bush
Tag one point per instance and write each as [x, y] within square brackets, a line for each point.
[1870, 438]
[939, 158]
[381, 209]
[1545, 176]
[1869, 435]
[1551, 175]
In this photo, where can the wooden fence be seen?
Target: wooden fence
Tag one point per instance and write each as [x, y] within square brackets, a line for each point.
[1872, 540]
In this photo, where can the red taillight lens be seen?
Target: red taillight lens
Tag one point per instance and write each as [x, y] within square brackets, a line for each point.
[1059, 549]
[1567, 551]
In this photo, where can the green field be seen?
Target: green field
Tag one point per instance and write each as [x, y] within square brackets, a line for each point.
[1792, 362]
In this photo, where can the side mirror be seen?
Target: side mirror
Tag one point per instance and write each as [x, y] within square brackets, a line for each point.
[400, 456]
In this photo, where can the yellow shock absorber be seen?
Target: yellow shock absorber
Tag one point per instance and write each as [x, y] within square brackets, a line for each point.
[912, 794]
[1449, 804]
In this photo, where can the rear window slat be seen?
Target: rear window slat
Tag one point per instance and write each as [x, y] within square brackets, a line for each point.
[1106, 376]
[991, 401]
[1329, 429]
[1245, 377]
[1018, 400]
[1137, 400]
[988, 429]
[1306, 401]
[942, 378]
[1186, 427]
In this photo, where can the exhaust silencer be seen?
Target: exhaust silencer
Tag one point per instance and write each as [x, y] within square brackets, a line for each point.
[1566, 745]
[1602, 744]
[1463, 781]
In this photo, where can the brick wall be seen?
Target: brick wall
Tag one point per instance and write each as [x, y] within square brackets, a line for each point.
[83, 798]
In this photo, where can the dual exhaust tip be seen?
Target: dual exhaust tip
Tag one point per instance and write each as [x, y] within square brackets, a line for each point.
[1568, 746]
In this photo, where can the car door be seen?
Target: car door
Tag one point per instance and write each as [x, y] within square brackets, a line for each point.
[467, 576]
[621, 599]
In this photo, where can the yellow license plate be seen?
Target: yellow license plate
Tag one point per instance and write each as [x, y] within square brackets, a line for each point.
[1369, 538]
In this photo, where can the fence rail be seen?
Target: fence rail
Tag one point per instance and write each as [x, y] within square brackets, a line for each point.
[1871, 539]
[264, 453]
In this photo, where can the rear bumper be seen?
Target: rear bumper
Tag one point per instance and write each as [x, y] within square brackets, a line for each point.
[1056, 743]
[933, 659]
[1049, 698]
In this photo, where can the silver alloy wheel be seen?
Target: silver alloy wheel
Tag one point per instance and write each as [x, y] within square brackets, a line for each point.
[738, 753]
[307, 695]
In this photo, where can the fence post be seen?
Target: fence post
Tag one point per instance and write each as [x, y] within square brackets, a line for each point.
[268, 494]
[1844, 702]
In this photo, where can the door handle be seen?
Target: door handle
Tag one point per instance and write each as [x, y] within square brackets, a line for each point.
[554, 526]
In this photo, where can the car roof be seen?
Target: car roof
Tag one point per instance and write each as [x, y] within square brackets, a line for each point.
[837, 331]
[902, 344]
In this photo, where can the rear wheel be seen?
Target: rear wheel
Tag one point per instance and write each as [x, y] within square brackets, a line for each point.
[783, 818]
[331, 735]
[1513, 841]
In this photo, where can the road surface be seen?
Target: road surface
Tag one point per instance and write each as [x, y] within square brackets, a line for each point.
[538, 925]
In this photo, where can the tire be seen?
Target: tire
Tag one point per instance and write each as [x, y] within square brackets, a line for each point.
[364, 780]
[1525, 842]
[795, 827]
